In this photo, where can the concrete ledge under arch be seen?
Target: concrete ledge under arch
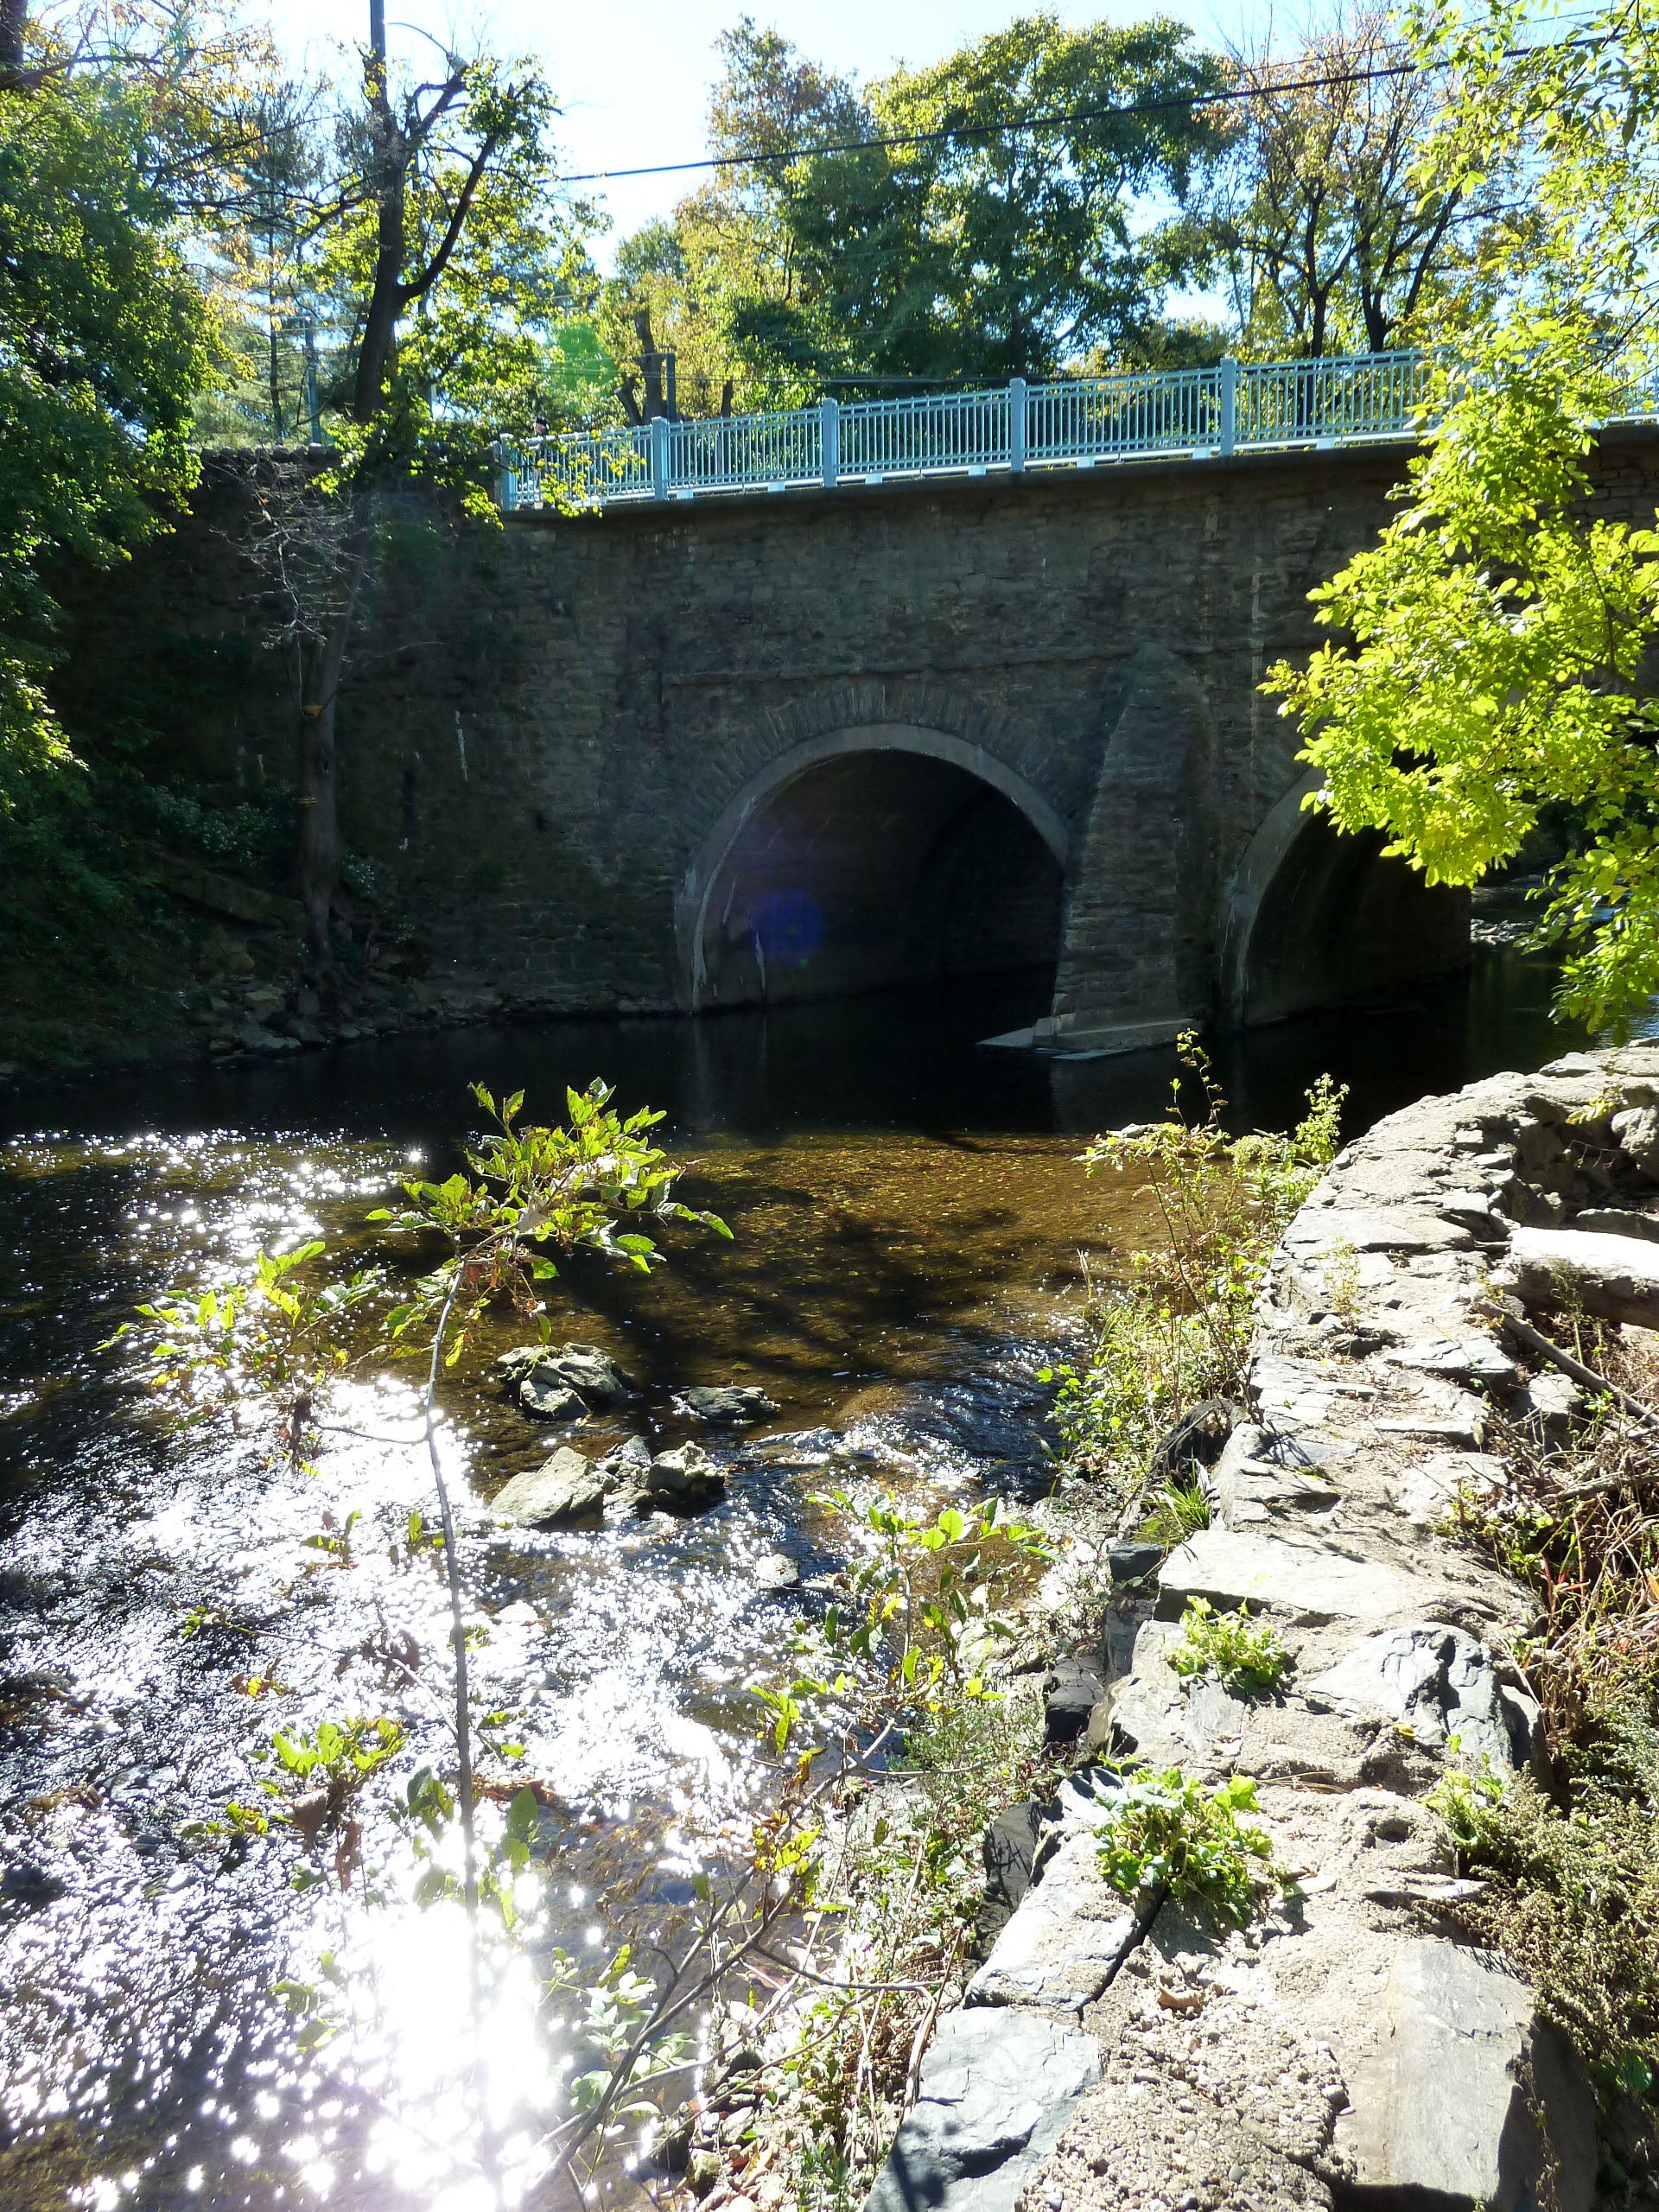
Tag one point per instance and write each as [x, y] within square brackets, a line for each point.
[718, 845]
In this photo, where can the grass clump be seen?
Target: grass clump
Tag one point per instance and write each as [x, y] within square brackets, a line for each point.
[1178, 1331]
[1572, 1897]
[1178, 1510]
[1169, 1834]
[1248, 1661]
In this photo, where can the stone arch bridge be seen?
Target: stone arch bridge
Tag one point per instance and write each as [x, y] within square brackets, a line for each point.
[770, 746]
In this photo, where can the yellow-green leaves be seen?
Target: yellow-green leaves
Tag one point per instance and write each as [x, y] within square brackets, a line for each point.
[1489, 659]
[528, 1188]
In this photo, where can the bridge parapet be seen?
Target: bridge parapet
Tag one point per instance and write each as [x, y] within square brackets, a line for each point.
[1175, 414]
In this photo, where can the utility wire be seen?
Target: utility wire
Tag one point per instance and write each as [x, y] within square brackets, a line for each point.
[1014, 127]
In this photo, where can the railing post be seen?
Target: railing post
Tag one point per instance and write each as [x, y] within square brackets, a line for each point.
[659, 456]
[1228, 404]
[1016, 426]
[829, 441]
[506, 487]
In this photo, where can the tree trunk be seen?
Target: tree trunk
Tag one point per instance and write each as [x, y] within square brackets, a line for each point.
[320, 848]
[14, 14]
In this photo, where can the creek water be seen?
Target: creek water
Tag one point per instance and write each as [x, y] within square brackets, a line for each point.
[908, 1217]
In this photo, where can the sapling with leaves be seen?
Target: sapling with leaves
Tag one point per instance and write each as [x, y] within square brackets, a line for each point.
[919, 1617]
[276, 1345]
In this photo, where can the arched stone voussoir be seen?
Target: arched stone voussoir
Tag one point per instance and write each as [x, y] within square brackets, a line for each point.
[913, 701]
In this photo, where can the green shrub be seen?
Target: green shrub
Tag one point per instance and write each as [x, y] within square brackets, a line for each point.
[1168, 1833]
[1246, 1660]
[1572, 1898]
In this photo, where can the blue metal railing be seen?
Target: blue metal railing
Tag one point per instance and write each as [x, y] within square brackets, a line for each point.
[1235, 407]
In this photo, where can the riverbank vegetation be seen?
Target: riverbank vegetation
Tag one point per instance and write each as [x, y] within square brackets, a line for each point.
[1175, 1335]
[1490, 666]
[1569, 1857]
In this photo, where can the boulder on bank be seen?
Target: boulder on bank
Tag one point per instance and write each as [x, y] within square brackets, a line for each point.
[1438, 1682]
[730, 1405]
[566, 1488]
[1449, 2109]
[1072, 1688]
[1196, 1440]
[996, 2090]
[1615, 1278]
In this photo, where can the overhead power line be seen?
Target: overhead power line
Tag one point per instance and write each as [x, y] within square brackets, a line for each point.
[1016, 127]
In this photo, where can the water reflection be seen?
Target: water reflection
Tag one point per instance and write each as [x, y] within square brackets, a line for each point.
[908, 1217]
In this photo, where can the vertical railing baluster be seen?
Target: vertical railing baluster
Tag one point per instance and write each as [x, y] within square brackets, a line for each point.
[1228, 405]
[1017, 403]
[829, 439]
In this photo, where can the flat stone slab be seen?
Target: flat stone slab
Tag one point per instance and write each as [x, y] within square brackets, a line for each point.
[1450, 2104]
[1065, 1940]
[1320, 1230]
[1312, 1581]
[1429, 1491]
[996, 2090]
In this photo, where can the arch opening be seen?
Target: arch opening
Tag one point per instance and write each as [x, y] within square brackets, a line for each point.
[859, 866]
[1323, 920]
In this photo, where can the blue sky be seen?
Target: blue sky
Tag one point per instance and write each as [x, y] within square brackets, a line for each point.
[634, 79]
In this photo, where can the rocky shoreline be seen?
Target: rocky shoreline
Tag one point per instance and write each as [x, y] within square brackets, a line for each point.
[1349, 2047]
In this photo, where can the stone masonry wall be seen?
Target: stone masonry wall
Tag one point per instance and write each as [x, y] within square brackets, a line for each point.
[548, 720]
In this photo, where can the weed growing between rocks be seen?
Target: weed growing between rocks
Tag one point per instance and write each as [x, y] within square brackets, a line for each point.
[1168, 1836]
[905, 1886]
[1177, 1331]
[1571, 1866]
[1177, 1511]
[1247, 1662]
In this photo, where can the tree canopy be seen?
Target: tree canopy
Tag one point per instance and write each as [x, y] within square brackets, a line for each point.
[1325, 226]
[944, 246]
[105, 336]
[1493, 655]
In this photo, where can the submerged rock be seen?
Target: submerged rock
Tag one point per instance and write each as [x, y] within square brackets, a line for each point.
[729, 1404]
[625, 1471]
[777, 1571]
[568, 1488]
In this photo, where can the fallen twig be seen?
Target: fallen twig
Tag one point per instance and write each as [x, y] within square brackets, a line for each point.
[1535, 1340]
